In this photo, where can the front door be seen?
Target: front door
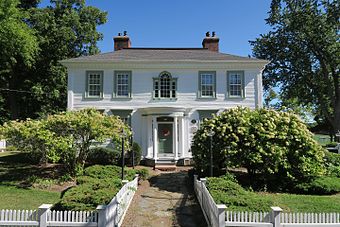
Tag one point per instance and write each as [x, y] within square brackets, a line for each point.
[165, 138]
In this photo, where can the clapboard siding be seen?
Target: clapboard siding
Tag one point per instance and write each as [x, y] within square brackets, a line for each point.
[142, 87]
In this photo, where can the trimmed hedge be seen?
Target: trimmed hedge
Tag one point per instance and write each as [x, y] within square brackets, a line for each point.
[320, 186]
[98, 185]
[226, 191]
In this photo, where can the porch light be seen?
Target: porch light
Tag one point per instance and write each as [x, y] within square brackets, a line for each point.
[123, 136]
[211, 133]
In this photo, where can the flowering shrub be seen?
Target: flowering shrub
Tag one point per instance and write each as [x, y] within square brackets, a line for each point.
[64, 137]
[272, 146]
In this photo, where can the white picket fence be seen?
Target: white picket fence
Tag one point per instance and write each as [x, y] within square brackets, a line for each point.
[2, 145]
[218, 216]
[214, 214]
[105, 215]
[113, 213]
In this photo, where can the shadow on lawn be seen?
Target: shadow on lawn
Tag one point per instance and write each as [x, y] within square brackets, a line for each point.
[187, 210]
[16, 169]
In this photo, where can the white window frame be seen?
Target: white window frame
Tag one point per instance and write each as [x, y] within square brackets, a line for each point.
[88, 84]
[116, 84]
[157, 91]
[212, 85]
[240, 85]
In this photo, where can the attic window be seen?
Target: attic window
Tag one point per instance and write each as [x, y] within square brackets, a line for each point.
[164, 86]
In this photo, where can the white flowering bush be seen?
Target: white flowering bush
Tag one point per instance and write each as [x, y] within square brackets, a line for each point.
[272, 146]
[65, 137]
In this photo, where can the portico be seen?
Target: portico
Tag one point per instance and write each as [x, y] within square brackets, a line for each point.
[165, 127]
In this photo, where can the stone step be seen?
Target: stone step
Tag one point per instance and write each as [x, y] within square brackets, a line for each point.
[165, 167]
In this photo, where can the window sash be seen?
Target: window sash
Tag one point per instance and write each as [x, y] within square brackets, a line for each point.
[164, 88]
[235, 84]
[122, 84]
[207, 84]
[94, 84]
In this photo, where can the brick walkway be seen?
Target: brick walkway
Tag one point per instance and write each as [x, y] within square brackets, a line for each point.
[167, 199]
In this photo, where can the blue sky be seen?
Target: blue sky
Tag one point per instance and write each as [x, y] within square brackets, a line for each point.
[183, 23]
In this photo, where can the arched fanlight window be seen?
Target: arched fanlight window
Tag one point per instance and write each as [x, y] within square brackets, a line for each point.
[165, 86]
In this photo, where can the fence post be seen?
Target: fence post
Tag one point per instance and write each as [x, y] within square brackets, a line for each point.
[101, 209]
[43, 210]
[203, 182]
[276, 211]
[221, 214]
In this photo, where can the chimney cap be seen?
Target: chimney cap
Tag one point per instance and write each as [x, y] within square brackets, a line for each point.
[207, 34]
[213, 34]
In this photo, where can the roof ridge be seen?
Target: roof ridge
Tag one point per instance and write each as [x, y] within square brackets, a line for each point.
[165, 48]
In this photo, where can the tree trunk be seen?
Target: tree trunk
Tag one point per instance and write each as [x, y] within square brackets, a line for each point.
[336, 121]
[12, 97]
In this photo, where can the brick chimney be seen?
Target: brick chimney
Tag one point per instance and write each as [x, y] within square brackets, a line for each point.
[121, 41]
[211, 43]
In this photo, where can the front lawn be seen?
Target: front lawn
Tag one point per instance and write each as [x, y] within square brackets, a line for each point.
[24, 185]
[227, 191]
[304, 203]
[25, 198]
[16, 174]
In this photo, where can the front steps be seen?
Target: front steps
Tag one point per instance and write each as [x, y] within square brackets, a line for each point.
[165, 164]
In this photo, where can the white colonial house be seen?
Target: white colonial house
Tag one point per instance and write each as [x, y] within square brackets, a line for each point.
[164, 93]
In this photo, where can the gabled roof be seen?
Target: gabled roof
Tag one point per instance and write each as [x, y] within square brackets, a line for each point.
[162, 55]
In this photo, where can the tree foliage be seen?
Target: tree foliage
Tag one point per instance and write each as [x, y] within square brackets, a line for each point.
[19, 48]
[271, 145]
[303, 49]
[64, 29]
[65, 137]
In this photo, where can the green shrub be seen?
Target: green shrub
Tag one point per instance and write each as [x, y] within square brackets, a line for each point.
[273, 146]
[332, 163]
[108, 172]
[230, 193]
[103, 156]
[65, 137]
[143, 173]
[320, 186]
[137, 154]
[98, 185]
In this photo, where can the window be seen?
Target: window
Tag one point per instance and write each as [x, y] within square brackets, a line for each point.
[165, 86]
[207, 84]
[235, 84]
[94, 84]
[122, 84]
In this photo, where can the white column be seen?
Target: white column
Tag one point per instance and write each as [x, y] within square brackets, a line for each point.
[154, 125]
[182, 138]
[145, 135]
[176, 136]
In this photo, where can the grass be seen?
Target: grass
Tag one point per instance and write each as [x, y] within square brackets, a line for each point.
[15, 189]
[304, 203]
[235, 197]
[25, 198]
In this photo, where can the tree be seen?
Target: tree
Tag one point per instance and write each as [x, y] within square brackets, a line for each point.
[273, 146]
[19, 47]
[303, 49]
[65, 29]
[65, 137]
